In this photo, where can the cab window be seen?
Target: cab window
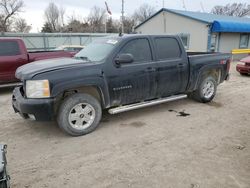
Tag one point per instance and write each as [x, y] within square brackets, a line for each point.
[167, 48]
[139, 48]
[9, 48]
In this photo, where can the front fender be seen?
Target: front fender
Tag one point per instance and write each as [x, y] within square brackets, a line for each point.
[59, 88]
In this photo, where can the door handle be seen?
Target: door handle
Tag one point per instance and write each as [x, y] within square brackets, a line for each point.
[180, 65]
[150, 69]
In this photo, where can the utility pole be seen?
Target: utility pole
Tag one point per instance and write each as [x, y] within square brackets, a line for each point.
[163, 3]
[122, 18]
[202, 7]
[184, 5]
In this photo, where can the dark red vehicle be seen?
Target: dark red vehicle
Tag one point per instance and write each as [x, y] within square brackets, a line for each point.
[13, 54]
[244, 66]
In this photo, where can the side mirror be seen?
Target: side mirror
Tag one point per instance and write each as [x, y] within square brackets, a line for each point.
[124, 58]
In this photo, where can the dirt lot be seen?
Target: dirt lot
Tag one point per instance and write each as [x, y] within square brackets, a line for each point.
[151, 147]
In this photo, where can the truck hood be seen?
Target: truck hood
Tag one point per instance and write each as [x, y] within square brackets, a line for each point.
[29, 70]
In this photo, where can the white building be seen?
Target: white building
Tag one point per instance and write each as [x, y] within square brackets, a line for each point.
[200, 31]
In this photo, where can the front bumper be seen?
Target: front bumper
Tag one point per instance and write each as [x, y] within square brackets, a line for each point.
[39, 109]
[243, 69]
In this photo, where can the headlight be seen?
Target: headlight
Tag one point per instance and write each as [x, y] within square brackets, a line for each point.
[241, 63]
[37, 89]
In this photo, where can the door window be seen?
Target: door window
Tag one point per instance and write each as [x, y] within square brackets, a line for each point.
[9, 48]
[139, 48]
[167, 48]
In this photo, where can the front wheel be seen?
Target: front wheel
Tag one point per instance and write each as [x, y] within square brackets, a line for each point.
[243, 74]
[79, 114]
[206, 90]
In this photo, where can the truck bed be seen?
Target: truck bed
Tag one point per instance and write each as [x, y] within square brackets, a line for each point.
[201, 60]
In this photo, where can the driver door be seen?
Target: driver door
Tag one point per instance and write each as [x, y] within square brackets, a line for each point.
[134, 82]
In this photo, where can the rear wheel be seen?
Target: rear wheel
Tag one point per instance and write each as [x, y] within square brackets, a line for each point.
[206, 90]
[79, 114]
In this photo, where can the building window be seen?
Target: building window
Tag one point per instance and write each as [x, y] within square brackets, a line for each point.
[244, 39]
[213, 43]
[185, 39]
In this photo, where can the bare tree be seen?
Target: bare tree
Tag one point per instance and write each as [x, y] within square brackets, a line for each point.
[96, 19]
[9, 9]
[143, 12]
[235, 9]
[129, 24]
[61, 16]
[112, 26]
[52, 16]
[21, 25]
[46, 28]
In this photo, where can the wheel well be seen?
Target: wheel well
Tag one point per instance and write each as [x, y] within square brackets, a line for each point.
[91, 90]
[216, 73]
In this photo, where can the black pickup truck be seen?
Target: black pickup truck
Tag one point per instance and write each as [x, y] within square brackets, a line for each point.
[117, 73]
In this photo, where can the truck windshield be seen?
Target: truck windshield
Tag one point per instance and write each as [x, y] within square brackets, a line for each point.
[97, 50]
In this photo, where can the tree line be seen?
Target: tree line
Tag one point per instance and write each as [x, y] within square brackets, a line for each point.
[97, 21]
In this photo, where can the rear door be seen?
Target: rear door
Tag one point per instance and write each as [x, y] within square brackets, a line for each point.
[172, 66]
[133, 82]
[11, 58]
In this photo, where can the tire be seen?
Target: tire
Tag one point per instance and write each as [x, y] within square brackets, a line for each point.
[206, 90]
[79, 114]
[244, 74]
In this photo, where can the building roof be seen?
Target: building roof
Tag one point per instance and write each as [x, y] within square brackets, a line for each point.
[208, 18]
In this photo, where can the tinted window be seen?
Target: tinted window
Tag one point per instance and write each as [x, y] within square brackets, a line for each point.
[9, 48]
[167, 48]
[139, 48]
[244, 38]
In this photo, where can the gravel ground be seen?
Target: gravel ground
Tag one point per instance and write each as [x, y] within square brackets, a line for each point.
[150, 147]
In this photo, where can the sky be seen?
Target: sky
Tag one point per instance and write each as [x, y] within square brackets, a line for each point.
[33, 10]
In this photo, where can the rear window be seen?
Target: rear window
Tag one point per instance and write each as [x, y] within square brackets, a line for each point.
[9, 48]
[167, 48]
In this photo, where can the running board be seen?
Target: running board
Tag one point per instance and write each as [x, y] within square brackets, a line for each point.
[145, 104]
[11, 84]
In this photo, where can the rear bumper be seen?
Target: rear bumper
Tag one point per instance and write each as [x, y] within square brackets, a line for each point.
[39, 109]
[243, 69]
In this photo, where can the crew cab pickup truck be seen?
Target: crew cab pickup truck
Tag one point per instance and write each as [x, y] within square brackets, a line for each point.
[13, 54]
[119, 74]
[243, 67]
